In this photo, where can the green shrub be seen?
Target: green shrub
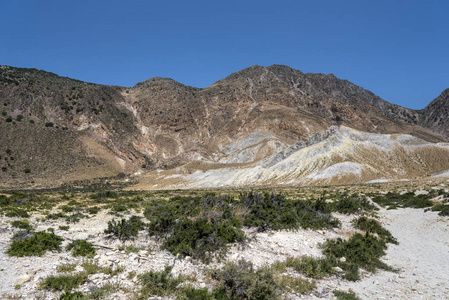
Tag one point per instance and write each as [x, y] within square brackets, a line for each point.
[63, 282]
[125, 229]
[361, 250]
[17, 212]
[274, 211]
[345, 295]
[66, 268]
[34, 245]
[442, 208]
[93, 268]
[74, 217]
[201, 239]
[352, 205]
[5, 200]
[55, 216]
[22, 224]
[81, 248]
[49, 124]
[316, 268]
[66, 208]
[189, 293]
[394, 200]
[297, 285]
[72, 296]
[93, 210]
[240, 281]
[159, 283]
[63, 227]
[373, 226]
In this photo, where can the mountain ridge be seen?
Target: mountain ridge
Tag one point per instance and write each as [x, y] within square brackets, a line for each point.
[161, 123]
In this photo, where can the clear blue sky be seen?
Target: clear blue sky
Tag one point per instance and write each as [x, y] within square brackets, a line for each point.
[397, 49]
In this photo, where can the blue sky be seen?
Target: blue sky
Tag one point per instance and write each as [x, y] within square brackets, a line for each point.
[397, 49]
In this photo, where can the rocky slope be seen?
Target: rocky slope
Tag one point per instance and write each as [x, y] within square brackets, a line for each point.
[339, 155]
[57, 129]
[434, 116]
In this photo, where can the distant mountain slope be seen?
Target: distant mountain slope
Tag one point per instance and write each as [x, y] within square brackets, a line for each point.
[55, 129]
[339, 155]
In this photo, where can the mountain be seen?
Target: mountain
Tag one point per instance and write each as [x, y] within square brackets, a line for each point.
[435, 115]
[56, 129]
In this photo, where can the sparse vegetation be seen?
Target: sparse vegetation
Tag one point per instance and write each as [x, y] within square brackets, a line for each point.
[34, 244]
[66, 268]
[22, 224]
[158, 283]
[63, 282]
[394, 200]
[125, 229]
[360, 251]
[373, 226]
[202, 226]
[81, 248]
[274, 211]
[316, 268]
[442, 208]
[345, 295]
[241, 281]
[17, 212]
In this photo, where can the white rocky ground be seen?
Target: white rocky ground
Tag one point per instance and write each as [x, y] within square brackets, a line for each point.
[421, 257]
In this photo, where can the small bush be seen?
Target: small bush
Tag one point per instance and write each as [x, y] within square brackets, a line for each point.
[316, 268]
[49, 124]
[66, 268]
[17, 212]
[345, 295]
[159, 283]
[189, 293]
[55, 216]
[22, 224]
[93, 268]
[72, 296]
[394, 200]
[373, 226]
[361, 250]
[63, 282]
[63, 227]
[66, 208]
[81, 248]
[93, 210]
[36, 245]
[125, 229]
[5, 200]
[201, 239]
[297, 285]
[274, 211]
[352, 205]
[442, 208]
[241, 281]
